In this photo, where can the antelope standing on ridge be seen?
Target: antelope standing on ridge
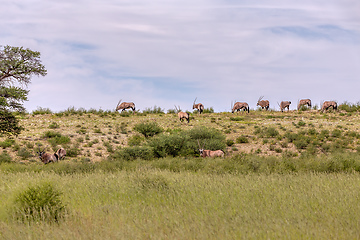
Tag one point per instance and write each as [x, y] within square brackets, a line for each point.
[182, 115]
[263, 103]
[304, 102]
[199, 106]
[327, 104]
[209, 153]
[239, 106]
[125, 105]
[284, 104]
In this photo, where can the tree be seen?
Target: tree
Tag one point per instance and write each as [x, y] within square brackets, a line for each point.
[17, 66]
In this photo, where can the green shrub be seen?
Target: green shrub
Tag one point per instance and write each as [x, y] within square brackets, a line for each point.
[135, 140]
[5, 157]
[300, 143]
[51, 134]
[54, 125]
[74, 151]
[229, 142]
[336, 133]
[24, 153]
[7, 143]
[301, 124]
[236, 119]
[42, 111]
[209, 110]
[132, 153]
[271, 132]
[171, 145]
[154, 110]
[242, 139]
[42, 202]
[109, 147]
[148, 129]
[171, 111]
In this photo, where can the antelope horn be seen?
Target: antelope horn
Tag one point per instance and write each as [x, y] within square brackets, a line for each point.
[118, 103]
[198, 143]
[195, 100]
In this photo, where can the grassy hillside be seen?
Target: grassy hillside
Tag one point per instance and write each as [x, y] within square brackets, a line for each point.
[289, 175]
[92, 136]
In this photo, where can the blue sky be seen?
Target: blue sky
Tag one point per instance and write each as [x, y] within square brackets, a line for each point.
[169, 52]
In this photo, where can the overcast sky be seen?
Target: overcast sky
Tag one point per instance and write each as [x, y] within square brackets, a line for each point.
[166, 52]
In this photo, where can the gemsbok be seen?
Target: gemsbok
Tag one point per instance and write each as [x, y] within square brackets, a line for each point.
[47, 157]
[61, 153]
[182, 115]
[199, 106]
[238, 106]
[209, 153]
[263, 103]
[125, 105]
[284, 104]
[304, 102]
[327, 104]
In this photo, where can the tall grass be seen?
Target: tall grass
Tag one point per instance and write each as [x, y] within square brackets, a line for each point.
[156, 204]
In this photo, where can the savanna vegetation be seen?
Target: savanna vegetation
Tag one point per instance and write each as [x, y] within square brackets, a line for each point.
[139, 175]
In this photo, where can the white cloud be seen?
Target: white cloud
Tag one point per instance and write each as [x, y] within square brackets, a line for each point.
[168, 52]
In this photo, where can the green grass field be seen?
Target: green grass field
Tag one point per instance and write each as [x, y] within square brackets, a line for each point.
[292, 175]
[154, 204]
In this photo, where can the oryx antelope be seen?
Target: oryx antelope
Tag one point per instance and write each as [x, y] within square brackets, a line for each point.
[47, 157]
[182, 115]
[239, 106]
[327, 104]
[263, 103]
[199, 106]
[209, 153]
[304, 102]
[61, 153]
[125, 105]
[284, 104]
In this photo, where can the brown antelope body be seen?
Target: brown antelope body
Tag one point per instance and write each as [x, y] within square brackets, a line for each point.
[183, 115]
[304, 102]
[199, 106]
[125, 105]
[284, 104]
[209, 153]
[263, 103]
[61, 153]
[328, 104]
[240, 106]
[47, 157]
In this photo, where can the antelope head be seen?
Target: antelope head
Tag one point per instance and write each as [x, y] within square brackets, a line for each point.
[194, 102]
[260, 98]
[118, 105]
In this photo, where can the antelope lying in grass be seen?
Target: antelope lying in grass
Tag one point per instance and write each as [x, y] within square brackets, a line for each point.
[209, 153]
[61, 153]
[284, 104]
[240, 105]
[47, 157]
[125, 105]
[182, 115]
[199, 106]
[327, 104]
[263, 103]
[304, 102]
